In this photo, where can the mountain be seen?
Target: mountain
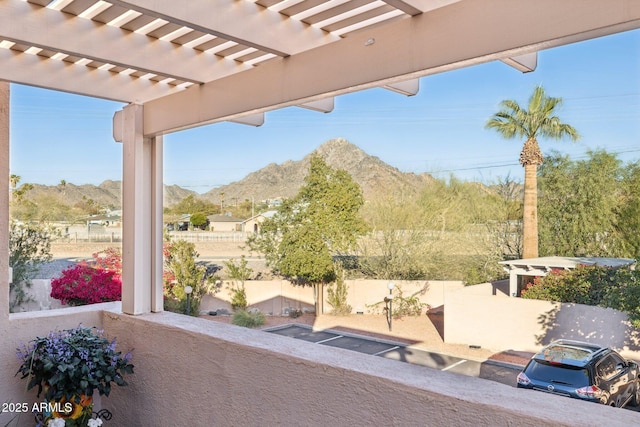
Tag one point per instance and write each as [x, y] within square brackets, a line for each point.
[284, 180]
[271, 182]
[107, 194]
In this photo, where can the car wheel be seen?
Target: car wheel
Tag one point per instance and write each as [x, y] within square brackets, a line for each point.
[635, 400]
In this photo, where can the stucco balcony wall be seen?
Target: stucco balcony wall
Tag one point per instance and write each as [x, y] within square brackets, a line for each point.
[191, 371]
[202, 373]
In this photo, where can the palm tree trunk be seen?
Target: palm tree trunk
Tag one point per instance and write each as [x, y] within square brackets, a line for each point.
[530, 212]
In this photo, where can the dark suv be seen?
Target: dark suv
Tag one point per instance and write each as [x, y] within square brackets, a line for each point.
[583, 371]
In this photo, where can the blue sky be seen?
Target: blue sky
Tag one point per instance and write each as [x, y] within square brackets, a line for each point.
[56, 136]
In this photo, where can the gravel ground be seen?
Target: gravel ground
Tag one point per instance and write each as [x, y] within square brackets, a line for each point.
[54, 268]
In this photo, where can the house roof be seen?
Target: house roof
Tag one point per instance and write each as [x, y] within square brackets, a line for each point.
[265, 214]
[201, 61]
[223, 218]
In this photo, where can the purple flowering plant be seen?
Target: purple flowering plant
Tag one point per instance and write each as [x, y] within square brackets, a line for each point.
[73, 362]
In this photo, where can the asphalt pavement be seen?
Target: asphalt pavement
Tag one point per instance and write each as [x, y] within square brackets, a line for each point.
[493, 370]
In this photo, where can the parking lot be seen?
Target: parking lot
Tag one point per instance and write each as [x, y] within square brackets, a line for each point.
[504, 373]
[490, 370]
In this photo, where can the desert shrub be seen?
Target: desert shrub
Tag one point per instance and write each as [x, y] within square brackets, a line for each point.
[84, 284]
[582, 285]
[409, 306]
[337, 298]
[617, 288]
[559, 285]
[239, 273]
[402, 305]
[29, 247]
[238, 298]
[481, 269]
[248, 319]
[473, 275]
[626, 295]
[295, 313]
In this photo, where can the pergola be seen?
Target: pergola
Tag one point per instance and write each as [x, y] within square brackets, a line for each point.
[181, 64]
[542, 266]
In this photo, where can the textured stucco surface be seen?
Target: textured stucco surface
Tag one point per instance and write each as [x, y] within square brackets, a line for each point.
[201, 373]
[475, 316]
[19, 329]
[364, 296]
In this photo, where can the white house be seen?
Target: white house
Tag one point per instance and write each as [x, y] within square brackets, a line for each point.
[226, 222]
[253, 224]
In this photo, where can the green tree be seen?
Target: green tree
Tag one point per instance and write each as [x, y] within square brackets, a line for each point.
[181, 267]
[454, 215]
[629, 218]
[580, 203]
[396, 248]
[192, 205]
[437, 233]
[29, 247]
[321, 221]
[505, 226]
[513, 121]
[199, 220]
[238, 272]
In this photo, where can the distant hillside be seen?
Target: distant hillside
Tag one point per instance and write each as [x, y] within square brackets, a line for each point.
[284, 180]
[108, 194]
[271, 182]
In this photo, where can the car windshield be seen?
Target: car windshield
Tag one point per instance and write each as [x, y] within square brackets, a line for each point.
[558, 374]
[566, 354]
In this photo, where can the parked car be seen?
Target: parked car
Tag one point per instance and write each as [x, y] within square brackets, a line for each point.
[583, 371]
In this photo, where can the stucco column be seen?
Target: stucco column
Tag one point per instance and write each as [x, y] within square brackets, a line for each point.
[141, 213]
[513, 283]
[4, 199]
[157, 203]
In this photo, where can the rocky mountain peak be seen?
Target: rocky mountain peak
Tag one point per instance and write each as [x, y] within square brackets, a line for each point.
[340, 149]
[284, 180]
[271, 182]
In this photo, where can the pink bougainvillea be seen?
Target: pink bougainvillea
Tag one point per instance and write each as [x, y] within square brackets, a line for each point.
[86, 284]
[91, 282]
[109, 259]
[100, 280]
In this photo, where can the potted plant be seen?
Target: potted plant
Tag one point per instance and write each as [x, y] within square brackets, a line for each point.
[68, 366]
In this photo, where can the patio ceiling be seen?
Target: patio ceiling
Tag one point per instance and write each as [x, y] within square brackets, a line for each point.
[202, 61]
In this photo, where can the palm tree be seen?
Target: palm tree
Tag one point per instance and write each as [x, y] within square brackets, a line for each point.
[13, 182]
[512, 121]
